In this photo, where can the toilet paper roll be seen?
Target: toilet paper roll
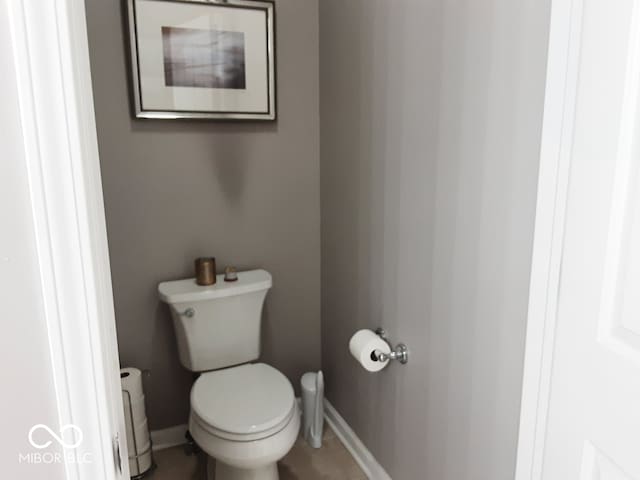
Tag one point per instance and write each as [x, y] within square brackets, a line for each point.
[140, 431]
[142, 449]
[138, 439]
[131, 380]
[362, 346]
[140, 464]
[137, 428]
[134, 411]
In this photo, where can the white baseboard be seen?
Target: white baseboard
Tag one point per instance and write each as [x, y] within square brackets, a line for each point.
[168, 437]
[361, 454]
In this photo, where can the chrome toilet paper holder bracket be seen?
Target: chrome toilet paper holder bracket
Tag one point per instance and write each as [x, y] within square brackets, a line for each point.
[399, 352]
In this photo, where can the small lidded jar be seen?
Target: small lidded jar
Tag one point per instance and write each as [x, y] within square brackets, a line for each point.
[230, 274]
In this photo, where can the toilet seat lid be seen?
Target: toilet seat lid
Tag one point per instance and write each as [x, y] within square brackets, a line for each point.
[246, 399]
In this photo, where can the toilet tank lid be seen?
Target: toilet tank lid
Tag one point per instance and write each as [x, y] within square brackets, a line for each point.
[187, 290]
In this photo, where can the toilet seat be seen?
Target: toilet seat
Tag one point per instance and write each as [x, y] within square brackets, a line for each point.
[243, 403]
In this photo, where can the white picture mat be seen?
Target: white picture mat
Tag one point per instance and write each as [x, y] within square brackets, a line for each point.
[152, 15]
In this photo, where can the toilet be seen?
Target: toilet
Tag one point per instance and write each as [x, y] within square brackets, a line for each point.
[243, 414]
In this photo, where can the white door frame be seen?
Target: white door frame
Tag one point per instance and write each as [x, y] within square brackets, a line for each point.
[51, 56]
[553, 183]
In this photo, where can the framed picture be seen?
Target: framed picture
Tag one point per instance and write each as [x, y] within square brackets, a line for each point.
[203, 59]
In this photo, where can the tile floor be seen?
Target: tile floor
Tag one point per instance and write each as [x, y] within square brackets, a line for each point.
[331, 462]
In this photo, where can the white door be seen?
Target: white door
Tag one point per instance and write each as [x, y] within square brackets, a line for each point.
[593, 419]
[54, 181]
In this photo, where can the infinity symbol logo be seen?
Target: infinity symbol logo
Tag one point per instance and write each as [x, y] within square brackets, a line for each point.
[59, 439]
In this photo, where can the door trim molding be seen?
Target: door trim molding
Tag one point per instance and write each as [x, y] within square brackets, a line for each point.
[553, 184]
[51, 59]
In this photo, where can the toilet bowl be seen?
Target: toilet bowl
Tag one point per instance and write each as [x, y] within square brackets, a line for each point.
[246, 418]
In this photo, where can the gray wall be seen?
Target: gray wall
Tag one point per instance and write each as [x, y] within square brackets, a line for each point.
[247, 193]
[431, 118]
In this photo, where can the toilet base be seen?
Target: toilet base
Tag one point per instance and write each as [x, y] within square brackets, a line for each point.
[227, 472]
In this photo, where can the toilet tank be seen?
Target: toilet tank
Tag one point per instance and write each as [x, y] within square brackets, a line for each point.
[217, 325]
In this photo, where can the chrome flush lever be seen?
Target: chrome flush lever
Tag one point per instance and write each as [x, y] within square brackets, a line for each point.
[189, 313]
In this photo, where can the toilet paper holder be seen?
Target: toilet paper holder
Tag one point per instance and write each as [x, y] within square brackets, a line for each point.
[399, 352]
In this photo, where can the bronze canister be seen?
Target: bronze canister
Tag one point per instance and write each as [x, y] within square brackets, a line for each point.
[205, 270]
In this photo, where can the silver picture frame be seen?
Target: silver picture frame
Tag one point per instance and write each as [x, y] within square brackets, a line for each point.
[144, 113]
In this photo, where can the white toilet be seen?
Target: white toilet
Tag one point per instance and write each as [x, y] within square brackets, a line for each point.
[242, 414]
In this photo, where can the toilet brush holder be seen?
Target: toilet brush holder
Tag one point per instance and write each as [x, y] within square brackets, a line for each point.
[312, 384]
